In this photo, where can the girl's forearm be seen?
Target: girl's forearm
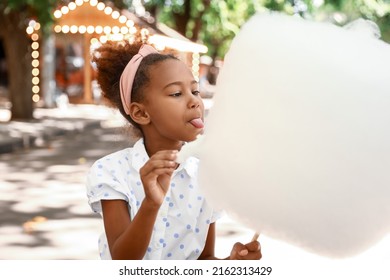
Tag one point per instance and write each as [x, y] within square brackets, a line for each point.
[133, 242]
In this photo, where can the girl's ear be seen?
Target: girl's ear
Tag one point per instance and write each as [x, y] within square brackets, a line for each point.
[139, 114]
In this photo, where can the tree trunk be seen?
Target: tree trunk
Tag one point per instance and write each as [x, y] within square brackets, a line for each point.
[153, 9]
[182, 19]
[198, 21]
[17, 50]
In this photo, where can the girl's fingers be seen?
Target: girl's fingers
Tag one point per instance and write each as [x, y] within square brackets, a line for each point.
[255, 255]
[250, 251]
[254, 250]
[168, 155]
[253, 246]
[156, 174]
[239, 251]
[161, 159]
[154, 165]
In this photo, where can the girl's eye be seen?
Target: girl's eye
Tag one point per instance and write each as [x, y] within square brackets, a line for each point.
[175, 94]
[196, 92]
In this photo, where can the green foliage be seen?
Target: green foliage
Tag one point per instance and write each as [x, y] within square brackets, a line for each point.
[41, 10]
[222, 19]
[222, 22]
[343, 11]
[282, 5]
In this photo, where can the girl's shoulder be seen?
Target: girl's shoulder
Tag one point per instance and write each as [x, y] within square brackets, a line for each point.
[120, 157]
[115, 157]
[118, 154]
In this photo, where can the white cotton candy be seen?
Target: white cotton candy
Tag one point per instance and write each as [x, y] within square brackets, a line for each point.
[298, 139]
[190, 149]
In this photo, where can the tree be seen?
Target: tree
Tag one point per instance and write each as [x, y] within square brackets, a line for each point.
[223, 22]
[14, 18]
[343, 11]
[180, 14]
[212, 22]
[216, 22]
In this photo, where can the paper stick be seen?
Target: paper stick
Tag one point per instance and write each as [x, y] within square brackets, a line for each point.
[255, 236]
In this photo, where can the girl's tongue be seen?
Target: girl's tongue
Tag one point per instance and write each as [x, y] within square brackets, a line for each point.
[198, 123]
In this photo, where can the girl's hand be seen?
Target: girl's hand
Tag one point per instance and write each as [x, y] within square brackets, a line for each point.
[156, 176]
[250, 251]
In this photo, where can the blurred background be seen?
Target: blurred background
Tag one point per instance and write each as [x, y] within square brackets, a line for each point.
[54, 123]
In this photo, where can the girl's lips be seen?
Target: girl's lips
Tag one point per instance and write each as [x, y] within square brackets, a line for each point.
[198, 123]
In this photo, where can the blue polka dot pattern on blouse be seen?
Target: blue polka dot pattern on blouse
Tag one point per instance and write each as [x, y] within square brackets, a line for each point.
[179, 231]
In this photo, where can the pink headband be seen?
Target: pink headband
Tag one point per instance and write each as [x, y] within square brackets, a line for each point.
[127, 77]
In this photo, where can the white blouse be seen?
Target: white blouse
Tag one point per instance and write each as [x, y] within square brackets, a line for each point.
[183, 219]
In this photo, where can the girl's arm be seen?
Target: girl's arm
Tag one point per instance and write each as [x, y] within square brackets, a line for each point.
[209, 247]
[129, 239]
[249, 251]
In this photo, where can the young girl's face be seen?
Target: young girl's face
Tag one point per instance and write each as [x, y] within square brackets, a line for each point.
[173, 102]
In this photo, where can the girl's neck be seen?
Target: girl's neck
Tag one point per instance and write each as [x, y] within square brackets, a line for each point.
[153, 145]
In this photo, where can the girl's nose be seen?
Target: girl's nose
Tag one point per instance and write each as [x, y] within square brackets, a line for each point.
[194, 102]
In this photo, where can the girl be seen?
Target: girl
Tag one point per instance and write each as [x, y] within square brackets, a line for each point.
[152, 207]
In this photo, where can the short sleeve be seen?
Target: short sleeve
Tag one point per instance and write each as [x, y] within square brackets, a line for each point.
[217, 214]
[104, 184]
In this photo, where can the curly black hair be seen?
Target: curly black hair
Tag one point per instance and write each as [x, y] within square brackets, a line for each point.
[111, 59]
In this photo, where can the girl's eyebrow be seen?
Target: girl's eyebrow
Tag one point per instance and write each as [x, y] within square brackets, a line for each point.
[178, 84]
